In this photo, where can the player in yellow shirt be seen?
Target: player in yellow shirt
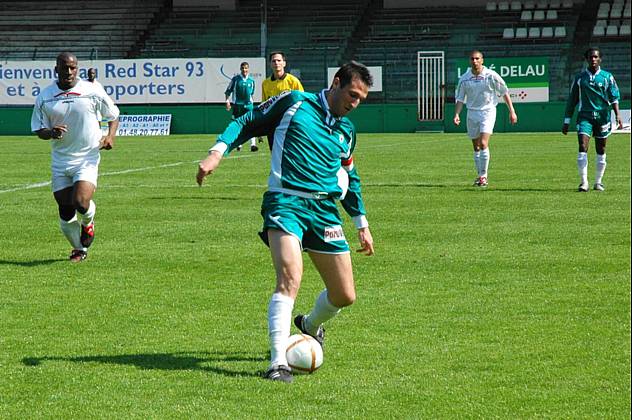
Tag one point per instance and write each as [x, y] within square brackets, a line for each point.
[279, 81]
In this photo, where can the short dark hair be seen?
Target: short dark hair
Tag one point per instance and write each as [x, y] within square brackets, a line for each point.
[275, 53]
[591, 49]
[245, 63]
[351, 70]
[64, 55]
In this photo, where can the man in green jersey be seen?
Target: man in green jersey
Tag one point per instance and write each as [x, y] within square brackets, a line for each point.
[241, 88]
[596, 91]
[312, 167]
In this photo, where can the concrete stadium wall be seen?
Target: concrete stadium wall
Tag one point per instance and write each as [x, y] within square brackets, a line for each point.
[368, 118]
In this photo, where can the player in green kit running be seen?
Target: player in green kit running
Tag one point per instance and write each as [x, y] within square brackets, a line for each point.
[312, 167]
[241, 88]
[596, 91]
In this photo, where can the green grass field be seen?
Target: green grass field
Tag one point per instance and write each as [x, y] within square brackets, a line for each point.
[509, 302]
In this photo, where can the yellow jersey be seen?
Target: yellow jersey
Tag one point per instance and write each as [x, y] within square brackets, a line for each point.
[272, 86]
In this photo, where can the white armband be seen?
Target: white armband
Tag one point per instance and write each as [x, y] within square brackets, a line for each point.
[567, 121]
[219, 147]
[360, 221]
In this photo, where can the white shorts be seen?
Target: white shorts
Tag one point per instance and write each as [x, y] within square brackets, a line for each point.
[480, 122]
[66, 174]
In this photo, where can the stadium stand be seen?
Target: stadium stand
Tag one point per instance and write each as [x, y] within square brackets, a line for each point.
[31, 29]
[312, 36]
[321, 34]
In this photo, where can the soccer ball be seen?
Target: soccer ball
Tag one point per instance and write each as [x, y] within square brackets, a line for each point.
[304, 354]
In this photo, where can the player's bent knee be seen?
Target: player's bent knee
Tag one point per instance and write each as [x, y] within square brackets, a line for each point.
[341, 300]
[81, 205]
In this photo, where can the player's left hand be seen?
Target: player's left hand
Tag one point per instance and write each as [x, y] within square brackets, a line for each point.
[619, 123]
[513, 118]
[106, 143]
[366, 241]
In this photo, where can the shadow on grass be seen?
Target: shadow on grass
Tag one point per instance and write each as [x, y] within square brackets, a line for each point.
[164, 361]
[32, 263]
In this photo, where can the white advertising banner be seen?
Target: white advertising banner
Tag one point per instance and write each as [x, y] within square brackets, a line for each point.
[376, 72]
[144, 125]
[625, 118]
[138, 81]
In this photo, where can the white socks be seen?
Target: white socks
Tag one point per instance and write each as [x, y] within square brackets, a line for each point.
[481, 160]
[88, 216]
[600, 165]
[582, 166]
[72, 232]
[253, 142]
[477, 162]
[484, 162]
[323, 311]
[279, 320]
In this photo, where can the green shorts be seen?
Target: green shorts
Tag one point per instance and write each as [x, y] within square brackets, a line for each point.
[594, 124]
[315, 223]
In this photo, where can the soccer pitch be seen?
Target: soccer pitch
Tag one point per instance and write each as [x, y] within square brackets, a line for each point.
[506, 302]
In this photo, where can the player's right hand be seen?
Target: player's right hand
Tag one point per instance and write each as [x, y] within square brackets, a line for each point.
[207, 166]
[565, 129]
[457, 120]
[58, 131]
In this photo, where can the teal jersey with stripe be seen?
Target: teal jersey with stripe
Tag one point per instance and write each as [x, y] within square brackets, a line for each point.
[592, 94]
[241, 89]
[312, 152]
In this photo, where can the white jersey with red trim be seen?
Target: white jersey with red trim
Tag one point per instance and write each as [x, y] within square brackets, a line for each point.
[480, 92]
[78, 108]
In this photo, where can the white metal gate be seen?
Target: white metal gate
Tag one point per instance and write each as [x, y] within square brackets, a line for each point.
[430, 85]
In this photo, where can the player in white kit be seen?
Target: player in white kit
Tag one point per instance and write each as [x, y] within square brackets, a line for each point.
[66, 114]
[480, 89]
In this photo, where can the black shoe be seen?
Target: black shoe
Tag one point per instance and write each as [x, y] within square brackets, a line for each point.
[583, 187]
[77, 255]
[253, 148]
[279, 373]
[87, 235]
[320, 333]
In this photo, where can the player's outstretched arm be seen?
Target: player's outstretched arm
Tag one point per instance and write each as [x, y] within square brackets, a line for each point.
[207, 166]
[366, 241]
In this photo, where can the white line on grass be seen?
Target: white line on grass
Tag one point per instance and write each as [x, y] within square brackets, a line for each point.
[126, 171]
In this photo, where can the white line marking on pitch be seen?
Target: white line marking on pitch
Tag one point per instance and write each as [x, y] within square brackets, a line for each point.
[126, 171]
